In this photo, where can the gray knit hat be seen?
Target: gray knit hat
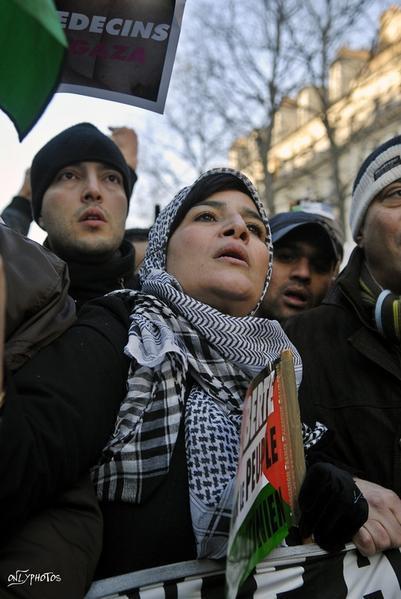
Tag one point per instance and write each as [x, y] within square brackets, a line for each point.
[381, 167]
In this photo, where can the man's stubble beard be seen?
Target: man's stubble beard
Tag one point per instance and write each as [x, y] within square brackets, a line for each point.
[85, 249]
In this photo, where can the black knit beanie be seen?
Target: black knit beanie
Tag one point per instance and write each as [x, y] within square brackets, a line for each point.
[80, 143]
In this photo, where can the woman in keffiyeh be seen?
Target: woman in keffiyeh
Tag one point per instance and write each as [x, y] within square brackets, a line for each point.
[165, 479]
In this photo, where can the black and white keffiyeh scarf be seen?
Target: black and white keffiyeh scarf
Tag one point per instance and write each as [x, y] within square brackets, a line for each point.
[188, 361]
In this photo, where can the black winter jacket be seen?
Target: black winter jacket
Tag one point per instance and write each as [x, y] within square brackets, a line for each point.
[38, 308]
[62, 395]
[351, 381]
[60, 410]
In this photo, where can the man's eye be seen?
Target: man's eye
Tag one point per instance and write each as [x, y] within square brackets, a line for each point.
[321, 268]
[114, 178]
[65, 176]
[392, 197]
[285, 256]
[257, 230]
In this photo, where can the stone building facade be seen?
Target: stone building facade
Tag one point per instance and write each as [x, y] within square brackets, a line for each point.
[365, 106]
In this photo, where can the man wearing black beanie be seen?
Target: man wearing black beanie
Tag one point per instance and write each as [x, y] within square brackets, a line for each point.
[81, 188]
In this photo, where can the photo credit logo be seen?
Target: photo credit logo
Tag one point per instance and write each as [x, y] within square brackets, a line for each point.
[25, 577]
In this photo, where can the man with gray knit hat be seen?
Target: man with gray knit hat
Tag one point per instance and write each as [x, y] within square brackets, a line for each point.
[81, 187]
[351, 351]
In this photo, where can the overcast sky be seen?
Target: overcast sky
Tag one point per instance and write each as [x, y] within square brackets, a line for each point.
[65, 110]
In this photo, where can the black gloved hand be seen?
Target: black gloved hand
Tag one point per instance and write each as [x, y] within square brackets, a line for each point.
[333, 508]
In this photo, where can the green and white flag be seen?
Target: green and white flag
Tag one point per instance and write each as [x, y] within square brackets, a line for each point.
[32, 48]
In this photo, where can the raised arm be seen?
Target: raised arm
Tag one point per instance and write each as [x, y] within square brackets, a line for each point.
[18, 214]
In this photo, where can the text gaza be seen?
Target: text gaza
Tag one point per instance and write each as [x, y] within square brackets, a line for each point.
[106, 51]
[121, 27]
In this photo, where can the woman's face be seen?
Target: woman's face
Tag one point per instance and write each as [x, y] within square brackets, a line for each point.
[218, 253]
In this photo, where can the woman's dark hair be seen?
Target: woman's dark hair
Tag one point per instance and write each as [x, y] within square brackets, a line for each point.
[203, 189]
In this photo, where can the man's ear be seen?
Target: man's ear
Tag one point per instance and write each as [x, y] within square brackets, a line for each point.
[359, 238]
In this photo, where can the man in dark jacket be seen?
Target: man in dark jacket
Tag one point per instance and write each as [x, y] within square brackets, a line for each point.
[49, 516]
[81, 187]
[350, 348]
[307, 253]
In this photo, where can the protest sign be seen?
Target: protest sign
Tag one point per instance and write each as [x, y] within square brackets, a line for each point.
[121, 50]
[32, 49]
[270, 471]
[303, 571]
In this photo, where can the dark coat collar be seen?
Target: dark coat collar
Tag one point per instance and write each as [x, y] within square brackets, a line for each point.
[347, 287]
[365, 338]
[93, 279]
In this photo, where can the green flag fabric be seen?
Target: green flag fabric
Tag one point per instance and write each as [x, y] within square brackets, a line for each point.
[32, 48]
